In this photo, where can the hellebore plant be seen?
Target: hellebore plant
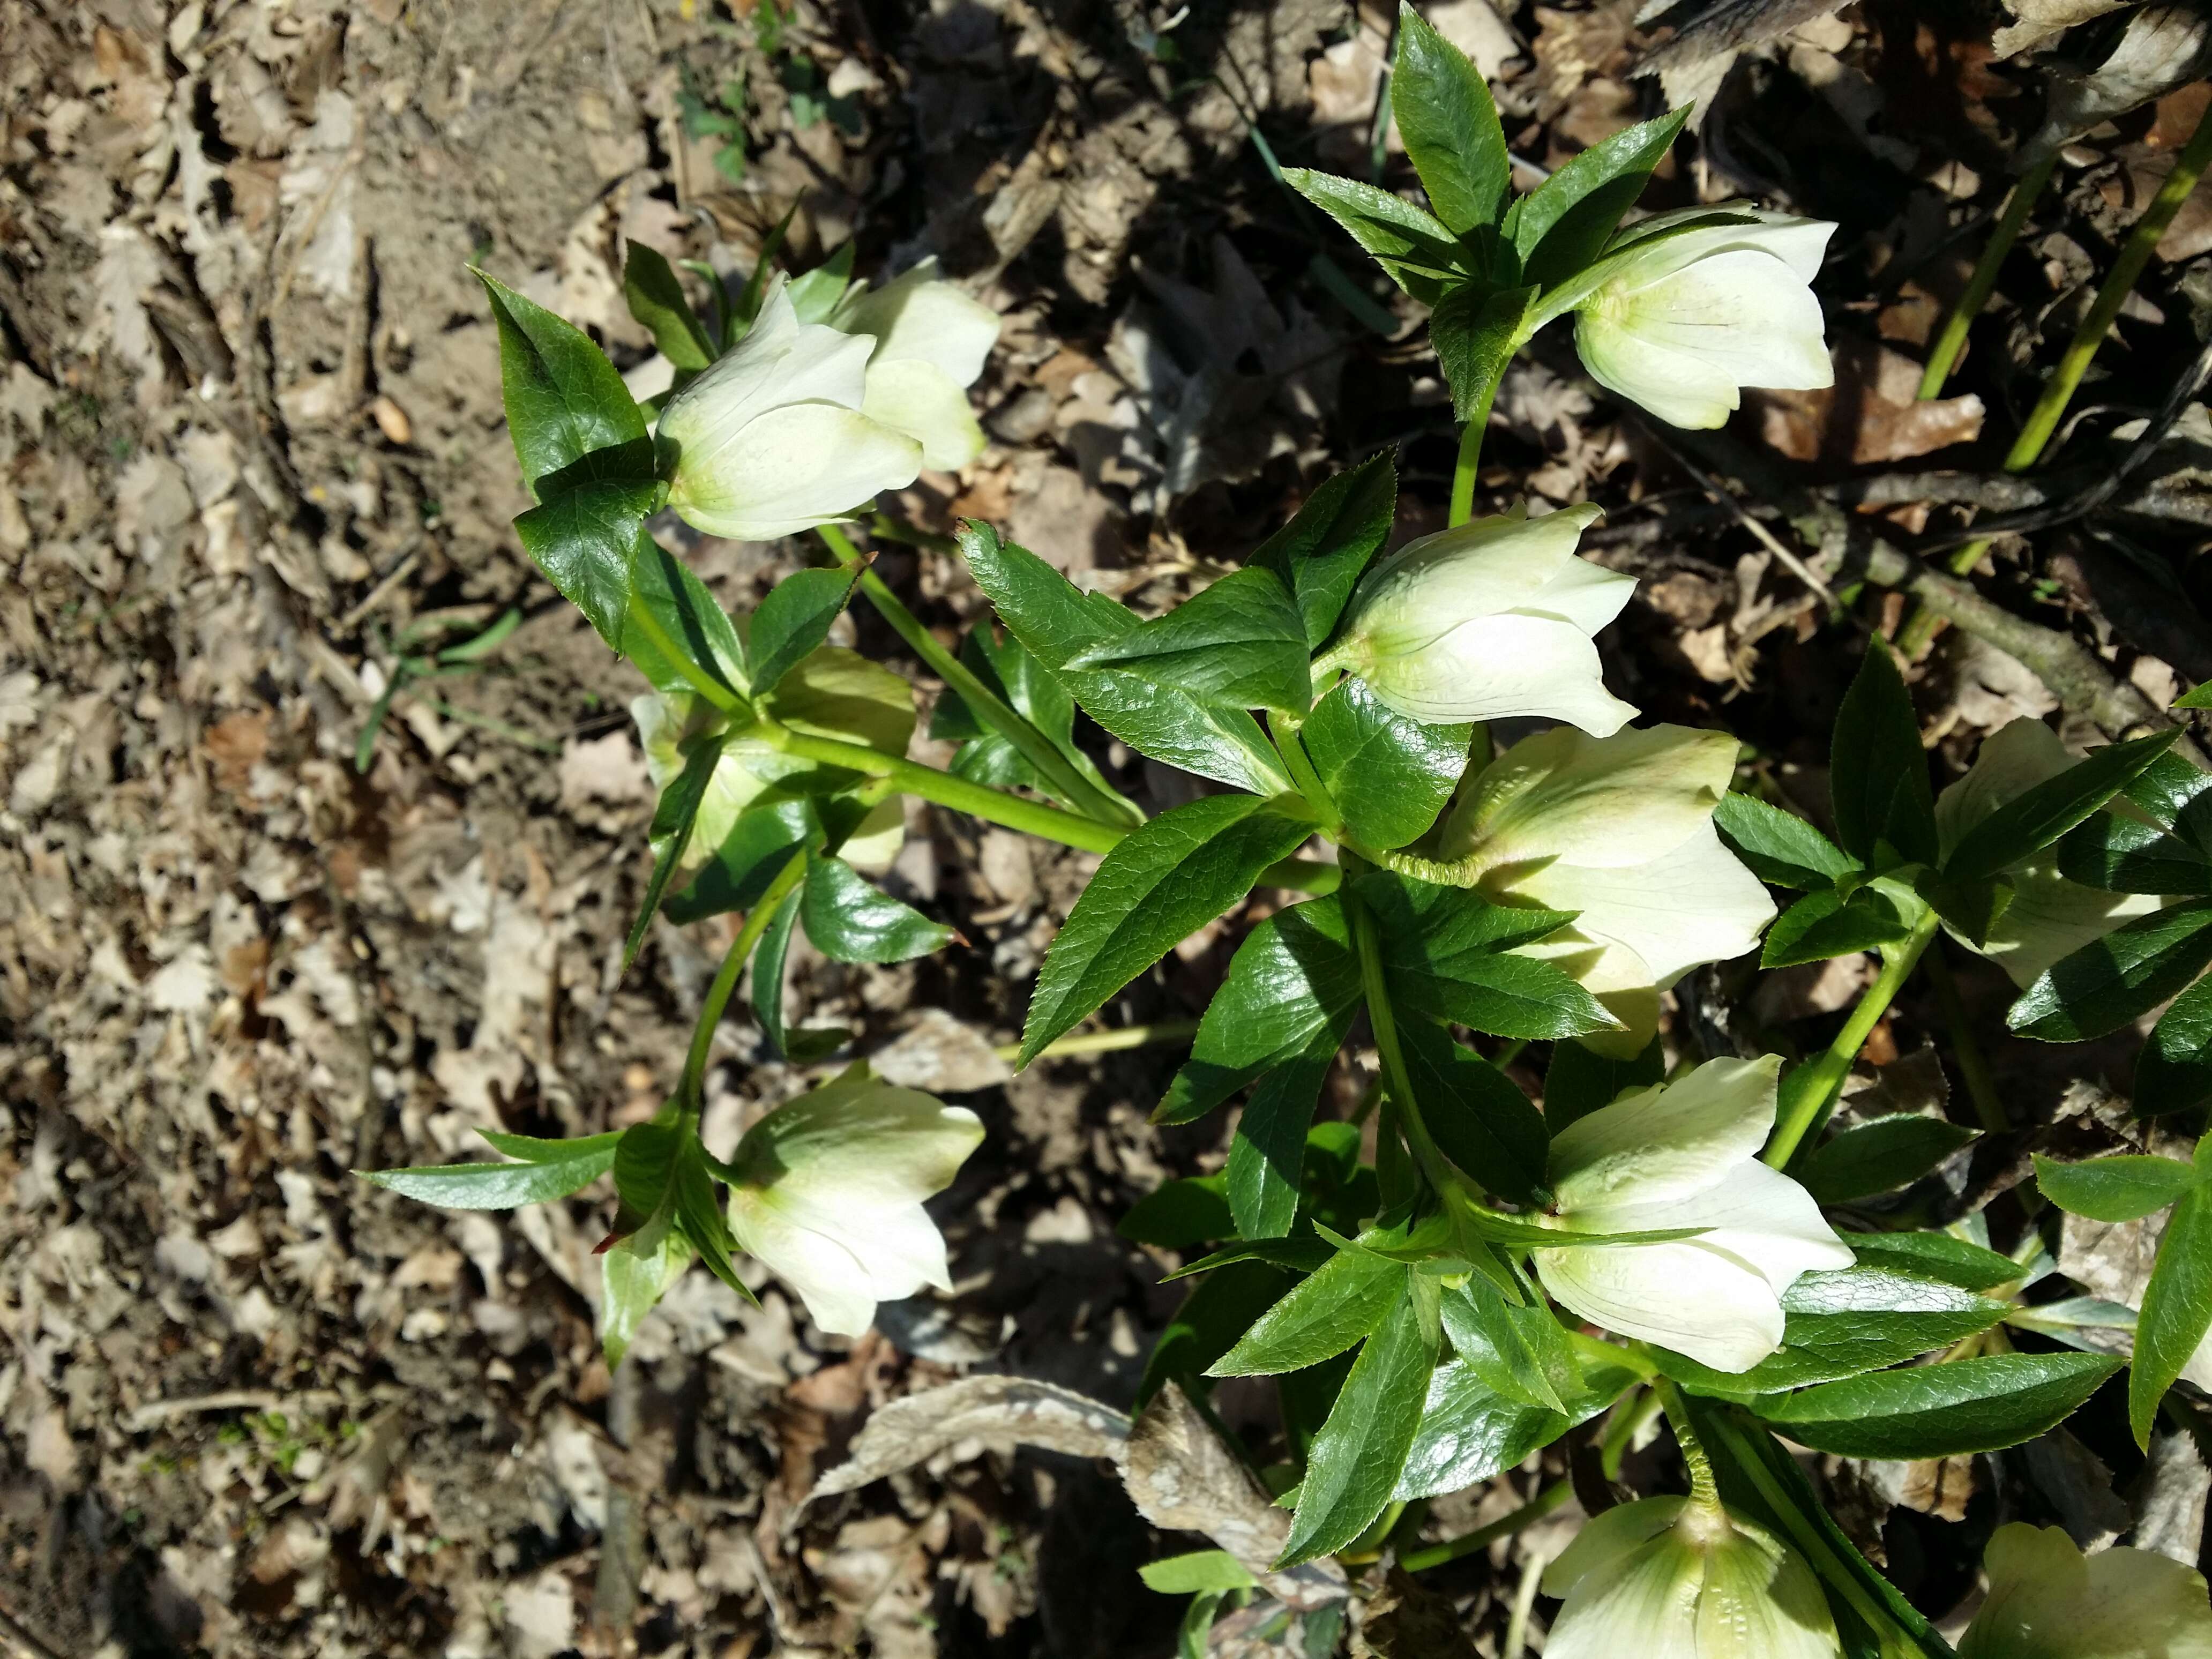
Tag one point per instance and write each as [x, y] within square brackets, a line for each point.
[1495, 1273]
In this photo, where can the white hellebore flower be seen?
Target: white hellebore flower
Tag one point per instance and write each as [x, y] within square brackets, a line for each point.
[1681, 318]
[828, 1190]
[2048, 1601]
[2049, 917]
[1489, 620]
[1620, 830]
[1685, 1155]
[1682, 1578]
[800, 422]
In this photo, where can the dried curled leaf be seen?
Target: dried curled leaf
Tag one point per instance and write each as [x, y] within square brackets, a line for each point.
[1016, 1409]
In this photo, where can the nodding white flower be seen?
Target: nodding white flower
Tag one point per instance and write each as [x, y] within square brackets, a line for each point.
[1683, 1578]
[1620, 830]
[1489, 620]
[827, 1191]
[1685, 1155]
[931, 340]
[2047, 1601]
[1678, 316]
[2049, 917]
[800, 422]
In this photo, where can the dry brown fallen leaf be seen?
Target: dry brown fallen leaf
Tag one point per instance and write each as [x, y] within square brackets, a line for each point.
[1870, 414]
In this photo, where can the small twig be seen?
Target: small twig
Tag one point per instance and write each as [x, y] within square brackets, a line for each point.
[154, 1412]
[1720, 493]
[19, 1635]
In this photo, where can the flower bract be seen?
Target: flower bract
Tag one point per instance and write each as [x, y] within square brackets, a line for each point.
[2047, 1601]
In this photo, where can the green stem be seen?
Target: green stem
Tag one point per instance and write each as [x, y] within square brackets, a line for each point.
[1470, 454]
[1396, 1079]
[1810, 1092]
[1944, 355]
[1547, 1502]
[1974, 1063]
[1283, 734]
[1038, 750]
[703, 683]
[726, 978]
[1620, 1431]
[1107, 1042]
[1704, 1490]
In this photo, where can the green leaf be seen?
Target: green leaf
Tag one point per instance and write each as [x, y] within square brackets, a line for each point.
[1267, 1158]
[645, 1180]
[1320, 553]
[759, 844]
[586, 540]
[1877, 771]
[1935, 1255]
[2119, 978]
[1470, 1433]
[2177, 1309]
[656, 300]
[568, 410]
[793, 622]
[1157, 887]
[1201, 1569]
[2173, 1073]
[767, 971]
[2124, 855]
[2198, 697]
[1847, 1322]
[1519, 1353]
[1565, 223]
[2164, 788]
[635, 1283]
[1481, 1122]
[850, 919]
[1177, 1214]
[1826, 924]
[2029, 823]
[1972, 907]
[1223, 1307]
[2115, 1189]
[1389, 775]
[1355, 1461]
[1977, 1405]
[1475, 335]
[815, 294]
[1443, 956]
[1324, 1314]
[1238, 644]
[1879, 1156]
[1054, 621]
[1779, 847]
[1579, 1080]
[701, 1218]
[542, 1169]
[673, 816]
[662, 585]
[1007, 669]
[1416, 250]
[1292, 984]
[1449, 125]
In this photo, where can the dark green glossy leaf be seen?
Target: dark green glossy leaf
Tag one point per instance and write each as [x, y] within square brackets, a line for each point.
[700, 1217]
[1346, 1299]
[2119, 978]
[1519, 1353]
[1482, 1122]
[1565, 223]
[1389, 775]
[1878, 771]
[663, 586]
[542, 1170]
[1355, 1461]
[644, 1177]
[1416, 250]
[2177, 1308]
[586, 540]
[656, 300]
[768, 972]
[2029, 823]
[1935, 1255]
[1579, 1080]
[1267, 1158]
[673, 816]
[2115, 1189]
[1879, 1156]
[1779, 847]
[1449, 125]
[2174, 1071]
[2164, 788]
[1443, 953]
[850, 919]
[759, 844]
[1320, 553]
[570, 416]
[1177, 1214]
[1972, 907]
[1157, 887]
[1239, 644]
[1229, 1301]
[2124, 855]
[1824, 924]
[1470, 1433]
[793, 622]
[1475, 335]
[1006, 668]
[1941, 1411]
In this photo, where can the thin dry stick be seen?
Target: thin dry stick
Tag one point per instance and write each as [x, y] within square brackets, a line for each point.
[1720, 493]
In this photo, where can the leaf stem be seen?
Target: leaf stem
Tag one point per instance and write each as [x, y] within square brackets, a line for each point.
[1944, 354]
[1283, 733]
[1034, 747]
[1810, 1092]
[1470, 454]
[1107, 1042]
[1545, 1502]
[726, 978]
[1397, 1080]
[1974, 1063]
[703, 683]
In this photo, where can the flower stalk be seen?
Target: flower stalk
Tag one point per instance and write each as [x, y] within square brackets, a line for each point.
[1943, 356]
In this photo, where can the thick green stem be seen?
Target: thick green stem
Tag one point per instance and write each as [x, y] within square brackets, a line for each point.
[726, 979]
[1038, 750]
[1621, 1429]
[705, 684]
[1810, 1092]
[1547, 1502]
[1704, 1489]
[1283, 734]
[1944, 354]
[1470, 455]
[1974, 1063]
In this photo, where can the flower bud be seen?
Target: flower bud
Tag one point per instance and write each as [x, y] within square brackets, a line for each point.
[1684, 1579]
[1681, 318]
[1489, 620]
[1682, 1155]
[828, 1192]
[2047, 1601]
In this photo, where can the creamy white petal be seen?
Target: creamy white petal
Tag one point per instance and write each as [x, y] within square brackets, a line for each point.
[1758, 1215]
[1669, 1143]
[1438, 583]
[2011, 761]
[1693, 905]
[838, 1291]
[780, 361]
[1800, 243]
[920, 317]
[1645, 1604]
[1616, 977]
[1607, 1540]
[859, 1142]
[2046, 1601]
[1760, 1601]
[1704, 1303]
[1588, 595]
[1681, 388]
[1623, 800]
[921, 400]
[1742, 311]
[793, 468]
[1502, 667]
[2051, 917]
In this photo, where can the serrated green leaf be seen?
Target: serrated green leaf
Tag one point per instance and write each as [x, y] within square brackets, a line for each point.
[767, 971]
[1389, 777]
[2164, 788]
[1479, 1119]
[1216, 1313]
[571, 417]
[1320, 553]
[586, 540]
[1825, 924]
[1935, 1255]
[1177, 1214]
[1519, 1353]
[2177, 1310]
[2124, 855]
[1416, 250]
[656, 299]
[645, 1179]
[542, 1170]
[1475, 335]
[662, 585]
[1976, 1405]
[760, 843]
[1879, 1156]
[1470, 1433]
[1238, 644]
[673, 816]
[2173, 1073]
[1449, 124]
[1267, 1158]
[793, 622]
[1565, 223]
[1578, 1080]
[1324, 1314]
[700, 1218]
[2114, 1189]
[2031, 821]
[1443, 954]
[1155, 887]
[1877, 771]
[2198, 697]
[2119, 978]
[1779, 847]
[850, 919]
